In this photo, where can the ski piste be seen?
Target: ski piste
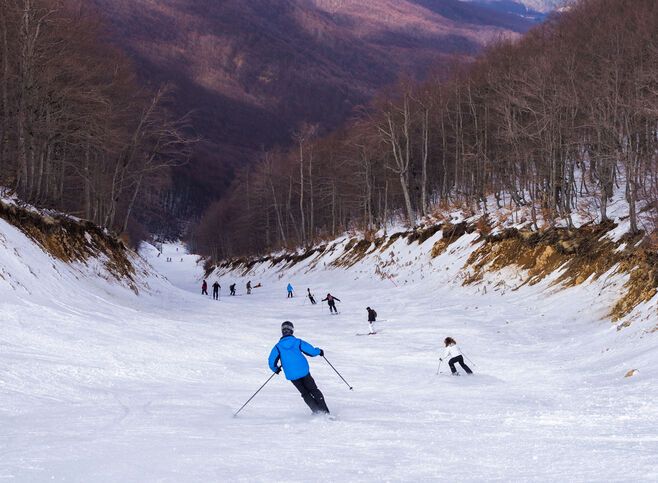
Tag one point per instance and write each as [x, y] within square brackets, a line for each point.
[156, 378]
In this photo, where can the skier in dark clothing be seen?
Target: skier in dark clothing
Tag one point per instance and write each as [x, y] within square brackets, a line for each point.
[204, 288]
[215, 290]
[290, 351]
[372, 318]
[310, 297]
[232, 288]
[249, 287]
[331, 300]
[454, 356]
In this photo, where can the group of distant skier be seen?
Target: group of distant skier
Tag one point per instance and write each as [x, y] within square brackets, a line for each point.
[216, 287]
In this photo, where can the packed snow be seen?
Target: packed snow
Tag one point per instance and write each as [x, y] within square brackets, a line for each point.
[100, 384]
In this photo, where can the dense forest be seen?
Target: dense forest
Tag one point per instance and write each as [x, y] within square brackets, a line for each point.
[569, 113]
[77, 131]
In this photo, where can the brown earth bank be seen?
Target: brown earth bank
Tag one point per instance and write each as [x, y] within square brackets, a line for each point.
[571, 256]
[72, 240]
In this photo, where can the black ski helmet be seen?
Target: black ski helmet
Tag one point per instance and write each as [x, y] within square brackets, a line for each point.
[287, 328]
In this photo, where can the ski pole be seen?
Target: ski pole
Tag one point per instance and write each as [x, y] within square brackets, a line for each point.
[348, 385]
[254, 395]
[469, 360]
[439, 368]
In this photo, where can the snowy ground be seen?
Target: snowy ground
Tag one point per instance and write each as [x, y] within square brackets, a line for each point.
[97, 384]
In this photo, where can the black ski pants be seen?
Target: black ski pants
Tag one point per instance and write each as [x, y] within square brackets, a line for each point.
[459, 360]
[313, 302]
[204, 291]
[311, 394]
[215, 293]
[289, 295]
[332, 307]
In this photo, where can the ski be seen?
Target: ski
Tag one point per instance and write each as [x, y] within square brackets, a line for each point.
[324, 417]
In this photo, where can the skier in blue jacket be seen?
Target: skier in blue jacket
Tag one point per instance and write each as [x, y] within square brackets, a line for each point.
[290, 352]
[290, 291]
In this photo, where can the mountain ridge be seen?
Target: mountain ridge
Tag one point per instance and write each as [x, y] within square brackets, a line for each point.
[252, 72]
[541, 6]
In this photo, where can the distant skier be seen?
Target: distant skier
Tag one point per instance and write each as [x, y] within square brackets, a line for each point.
[290, 352]
[310, 297]
[454, 356]
[290, 291]
[215, 290]
[372, 318]
[249, 287]
[204, 288]
[331, 300]
[232, 289]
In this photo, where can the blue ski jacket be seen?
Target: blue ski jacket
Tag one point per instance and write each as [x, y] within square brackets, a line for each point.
[289, 288]
[290, 351]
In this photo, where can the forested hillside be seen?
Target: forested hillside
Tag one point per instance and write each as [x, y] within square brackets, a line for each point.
[551, 125]
[250, 72]
[101, 101]
[78, 132]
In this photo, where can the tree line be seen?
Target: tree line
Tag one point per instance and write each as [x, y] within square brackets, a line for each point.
[78, 132]
[567, 114]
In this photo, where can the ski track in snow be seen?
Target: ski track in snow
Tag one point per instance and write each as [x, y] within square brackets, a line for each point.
[97, 384]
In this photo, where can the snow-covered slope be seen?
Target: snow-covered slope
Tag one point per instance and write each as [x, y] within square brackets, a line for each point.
[50, 258]
[543, 6]
[98, 383]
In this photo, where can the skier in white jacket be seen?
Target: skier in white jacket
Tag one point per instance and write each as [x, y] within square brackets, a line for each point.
[453, 355]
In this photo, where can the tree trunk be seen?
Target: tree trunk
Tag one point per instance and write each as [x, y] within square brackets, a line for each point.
[423, 189]
[311, 221]
[4, 114]
[131, 204]
[277, 208]
[301, 192]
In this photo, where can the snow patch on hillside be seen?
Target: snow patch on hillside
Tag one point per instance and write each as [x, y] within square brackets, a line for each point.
[543, 6]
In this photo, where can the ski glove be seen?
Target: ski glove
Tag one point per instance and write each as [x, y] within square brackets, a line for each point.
[321, 353]
[278, 369]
